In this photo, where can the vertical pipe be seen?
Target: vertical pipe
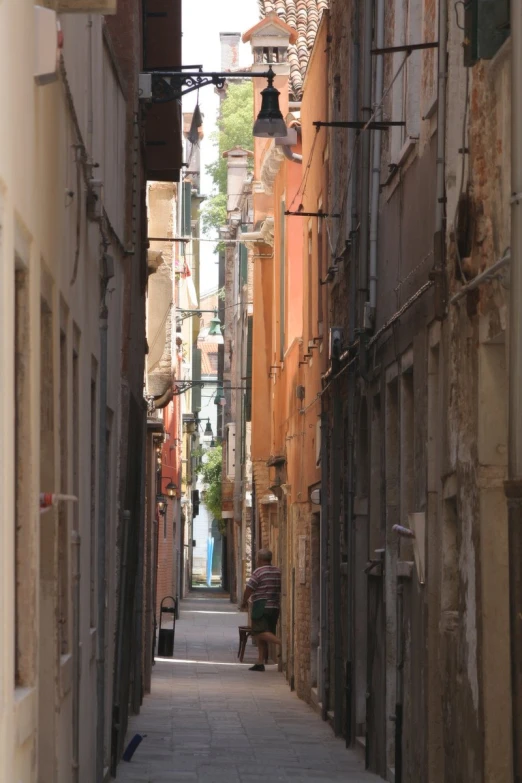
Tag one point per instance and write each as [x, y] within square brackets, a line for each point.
[514, 484]
[365, 159]
[117, 682]
[354, 86]
[75, 545]
[335, 549]
[292, 628]
[376, 156]
[325, 668]
[399, 683]
[101, 547]
[441, 117]
[136, 695]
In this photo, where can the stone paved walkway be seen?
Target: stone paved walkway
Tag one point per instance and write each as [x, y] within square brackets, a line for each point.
[210, 720]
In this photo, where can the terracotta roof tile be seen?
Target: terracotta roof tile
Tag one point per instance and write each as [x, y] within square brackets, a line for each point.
[304, 16]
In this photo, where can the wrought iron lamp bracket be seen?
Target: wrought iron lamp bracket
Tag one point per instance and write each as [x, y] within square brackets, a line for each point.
[169, 86]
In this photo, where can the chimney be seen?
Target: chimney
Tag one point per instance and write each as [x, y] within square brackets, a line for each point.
[237, 170]
[229, 51]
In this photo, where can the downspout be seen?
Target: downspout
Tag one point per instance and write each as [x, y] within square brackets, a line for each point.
[513, 486]
[75, 545]
[441, 130]
[101, 543]
[335, 549]
[294, 157]
[365, 183]
[399, 684]
[117, 686]
[376, 163]
[325, 578]
[136, 696]
[350, 479]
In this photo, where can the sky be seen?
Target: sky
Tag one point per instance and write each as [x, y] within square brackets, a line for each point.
[202, 23]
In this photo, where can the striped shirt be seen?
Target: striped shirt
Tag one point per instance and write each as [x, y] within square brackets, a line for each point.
[266, 584]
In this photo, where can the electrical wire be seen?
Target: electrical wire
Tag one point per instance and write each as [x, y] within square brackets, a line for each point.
[304, 180]
[376, 109]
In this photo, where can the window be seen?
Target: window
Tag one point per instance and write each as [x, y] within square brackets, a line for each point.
[63, 515]
[309, 278]
[92, 531]
[407, 457]
[406, 92]
[23, 511]
[321, 271]
[213, 361]
[76, 424]
[486, 27]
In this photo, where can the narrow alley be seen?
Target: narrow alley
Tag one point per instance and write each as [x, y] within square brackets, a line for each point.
[209, 719]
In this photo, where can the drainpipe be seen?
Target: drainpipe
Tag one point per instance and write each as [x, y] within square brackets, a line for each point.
[365, 181]
[101, 543]
[138, 679]
[294, 157]
[122, 603]
[376, 164]
[325, 576]
[441, 123]
[75, 545]
[335, 549]
[350, 479]
[399, 684]
[513, 486]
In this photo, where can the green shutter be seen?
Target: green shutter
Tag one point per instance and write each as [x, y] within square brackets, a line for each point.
[486, 27]
[243, 262]
[248, 378]
[196, 375]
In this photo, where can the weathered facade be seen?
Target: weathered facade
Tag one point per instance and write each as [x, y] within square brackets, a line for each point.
[74, 571]
[380, 377]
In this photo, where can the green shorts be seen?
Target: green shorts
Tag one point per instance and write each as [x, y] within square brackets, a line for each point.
[268, 622]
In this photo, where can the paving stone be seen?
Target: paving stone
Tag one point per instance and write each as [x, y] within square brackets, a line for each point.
[210, 720]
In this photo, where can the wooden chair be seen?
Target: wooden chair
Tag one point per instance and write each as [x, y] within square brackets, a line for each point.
[245, 631]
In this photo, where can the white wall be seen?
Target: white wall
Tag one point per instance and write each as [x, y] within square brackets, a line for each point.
[39, 221]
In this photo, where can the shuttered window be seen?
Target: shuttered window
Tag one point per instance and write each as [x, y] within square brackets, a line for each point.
[162, 51]
[487, 25]
[248, 375]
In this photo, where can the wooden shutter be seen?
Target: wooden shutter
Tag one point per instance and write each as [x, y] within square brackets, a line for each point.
[248, 377]
[163, 122]
[487, 25]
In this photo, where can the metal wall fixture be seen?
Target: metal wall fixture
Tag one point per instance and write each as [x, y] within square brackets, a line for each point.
[166, 86]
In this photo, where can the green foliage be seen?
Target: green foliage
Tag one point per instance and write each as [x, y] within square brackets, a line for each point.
[234, 130]
[214, 213]
[210, 471]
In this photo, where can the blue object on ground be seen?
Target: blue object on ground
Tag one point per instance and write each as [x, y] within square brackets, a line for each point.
[131, 747]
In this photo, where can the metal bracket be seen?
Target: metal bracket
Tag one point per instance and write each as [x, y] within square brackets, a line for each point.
[384, 125]
[312, 214]
[408, 48]
[166, 86]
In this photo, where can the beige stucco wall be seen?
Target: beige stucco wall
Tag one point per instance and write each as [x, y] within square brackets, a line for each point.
[38, 222]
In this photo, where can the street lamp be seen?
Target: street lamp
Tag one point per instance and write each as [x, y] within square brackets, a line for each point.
[215, 334]
[270, 121]
[219, 399]
[208, 434]
[161, 502]
[165, 86]
[171, 489]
